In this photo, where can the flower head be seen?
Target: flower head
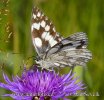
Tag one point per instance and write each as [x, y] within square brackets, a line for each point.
[41, 85]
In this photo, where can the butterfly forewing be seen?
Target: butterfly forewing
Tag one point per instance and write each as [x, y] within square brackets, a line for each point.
[44, 35]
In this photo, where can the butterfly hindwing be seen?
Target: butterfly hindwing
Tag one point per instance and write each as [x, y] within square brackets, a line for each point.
[71, 51]
[76, 41]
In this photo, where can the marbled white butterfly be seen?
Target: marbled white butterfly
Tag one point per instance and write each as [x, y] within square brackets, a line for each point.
[54, 50]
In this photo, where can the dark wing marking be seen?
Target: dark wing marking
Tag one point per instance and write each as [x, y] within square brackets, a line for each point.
[76, 41]
[44, 35]
[71, 51]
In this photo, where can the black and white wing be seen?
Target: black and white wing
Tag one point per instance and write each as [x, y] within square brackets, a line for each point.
[71, 51]
[44, 35]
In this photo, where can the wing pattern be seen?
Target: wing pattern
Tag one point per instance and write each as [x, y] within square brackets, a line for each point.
[44, 35]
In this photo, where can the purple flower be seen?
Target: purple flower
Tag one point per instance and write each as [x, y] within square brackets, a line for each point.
[41, 85]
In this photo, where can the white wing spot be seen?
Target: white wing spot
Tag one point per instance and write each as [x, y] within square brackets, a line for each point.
[38, 14]
[44, 34]
[48, 36]
[47, 28]
[36, 26]
[52, 42]
[54, 29]
[43, 23]
[37, 41]
[34, 16]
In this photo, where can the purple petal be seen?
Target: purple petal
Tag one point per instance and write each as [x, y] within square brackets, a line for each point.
[44, 83]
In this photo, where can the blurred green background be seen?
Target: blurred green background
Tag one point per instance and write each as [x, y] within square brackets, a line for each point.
[68, 16]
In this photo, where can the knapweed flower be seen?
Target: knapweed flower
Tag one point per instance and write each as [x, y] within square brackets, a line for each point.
[41, 85]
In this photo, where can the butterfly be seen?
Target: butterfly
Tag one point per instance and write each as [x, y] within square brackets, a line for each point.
[54, 50]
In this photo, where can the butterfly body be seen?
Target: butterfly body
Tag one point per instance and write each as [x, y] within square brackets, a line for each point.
[54, 50]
